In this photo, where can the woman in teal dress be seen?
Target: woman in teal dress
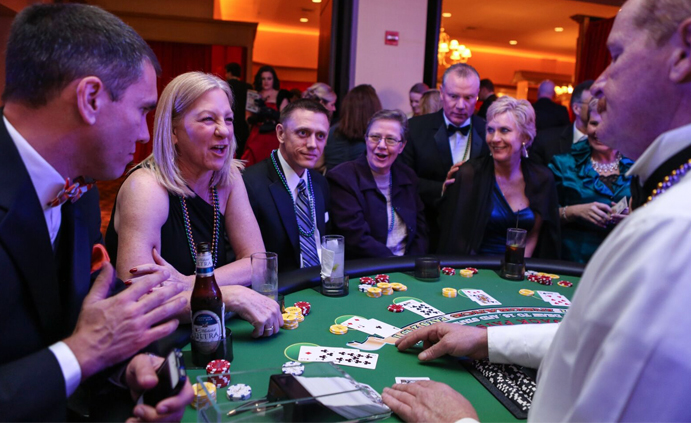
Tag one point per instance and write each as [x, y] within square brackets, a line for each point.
[590, 180]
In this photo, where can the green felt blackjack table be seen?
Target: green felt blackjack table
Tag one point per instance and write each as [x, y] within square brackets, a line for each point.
[272, 352]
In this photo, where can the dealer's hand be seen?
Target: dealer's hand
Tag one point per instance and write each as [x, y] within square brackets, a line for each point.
[451, 176]
[446, 338]
[262, 312]
[140, 376]
[427, 401]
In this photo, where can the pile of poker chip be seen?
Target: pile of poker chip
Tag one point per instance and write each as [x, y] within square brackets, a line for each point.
[381, 278]
[290, 321]
[449, 271]
[565, 284]
[526, 292]
[297, 311]
[338, 329]
[294, 368]
[398, 286]
[385, 287]
[539, 277]
[467, 272]
[304, 307]
[373, 292]
[239, 392]
[200, 399]
[449, 292]
[215, 370]
[395, 308]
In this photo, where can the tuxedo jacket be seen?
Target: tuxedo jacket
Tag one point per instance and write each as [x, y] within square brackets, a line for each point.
[549, 114]
[551, 142]
[428, 152]
[41, 291]
[273, 207]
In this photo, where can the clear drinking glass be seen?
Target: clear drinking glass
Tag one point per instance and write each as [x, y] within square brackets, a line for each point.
[265, 274]
[332, 274]
[513, 267]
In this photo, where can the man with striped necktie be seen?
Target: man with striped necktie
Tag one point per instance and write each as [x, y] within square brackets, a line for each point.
[289, 199]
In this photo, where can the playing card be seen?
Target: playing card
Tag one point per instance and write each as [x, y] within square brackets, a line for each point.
[355, 358]
[409, 379]
[622, 205]
[323, 354]
[383, 329]
[421, 308]
[554, 298]
[360, 323]
[480, 297]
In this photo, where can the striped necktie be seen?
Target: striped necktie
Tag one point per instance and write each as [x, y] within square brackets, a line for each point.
[308, 246]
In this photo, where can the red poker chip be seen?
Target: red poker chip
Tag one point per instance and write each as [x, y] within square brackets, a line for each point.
[396, 308]
[565, 284]
[382, 276]
[367, 280]
[219, 381]
[304, 306]
[472, 269]
[217, 366]
[449, 271]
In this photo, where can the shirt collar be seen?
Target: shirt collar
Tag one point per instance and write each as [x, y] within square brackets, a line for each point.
[46, 180]
[665, 146]
[292, 178]
[577, 134]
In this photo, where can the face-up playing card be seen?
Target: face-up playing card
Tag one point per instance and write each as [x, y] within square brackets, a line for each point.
[421, 308]
[355, 358]
[554, 298]
[323, 354]
[622, 205]
[410, 379]
[360, 323]
[383, 329]
[480, 297]
[341, 356]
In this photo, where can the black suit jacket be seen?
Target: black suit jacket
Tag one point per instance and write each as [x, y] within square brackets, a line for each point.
[550, 142]
[428, 152]
[241, 129]
[275, 213]
[40, 291]
[549, 114]
[485, 106]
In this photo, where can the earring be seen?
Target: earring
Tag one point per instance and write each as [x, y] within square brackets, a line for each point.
[524, 151]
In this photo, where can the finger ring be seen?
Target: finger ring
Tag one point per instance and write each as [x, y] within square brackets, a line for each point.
[269, 328]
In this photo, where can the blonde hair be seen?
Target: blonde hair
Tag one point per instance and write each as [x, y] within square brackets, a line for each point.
[176, 99]
[522, 112]
[430, 102]
[320, 91]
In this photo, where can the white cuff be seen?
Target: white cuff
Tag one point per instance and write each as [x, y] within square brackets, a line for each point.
[69, 365]
[525, 345]
[467, 420]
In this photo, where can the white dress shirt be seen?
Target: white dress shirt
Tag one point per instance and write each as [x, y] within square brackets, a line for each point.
[396, 239]
[458, 142]
[47, 182]
[578, 135]
[293, 180]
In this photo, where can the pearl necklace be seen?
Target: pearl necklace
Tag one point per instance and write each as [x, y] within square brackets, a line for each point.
[606, 168]
[217, 225]
[311, 188]
[670, 180]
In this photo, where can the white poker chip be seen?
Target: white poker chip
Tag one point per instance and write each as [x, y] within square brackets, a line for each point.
[363, 287]
[294, 368]
[239, 392]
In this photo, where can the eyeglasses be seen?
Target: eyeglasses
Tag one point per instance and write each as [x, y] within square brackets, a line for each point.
[376, 138]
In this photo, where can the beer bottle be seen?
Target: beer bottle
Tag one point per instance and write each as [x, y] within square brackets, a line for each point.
[208, 311]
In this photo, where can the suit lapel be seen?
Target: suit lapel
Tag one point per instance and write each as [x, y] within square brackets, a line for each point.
[284, 204]
[320, 207]
[477, 140]
[441, 139]
[24, 235]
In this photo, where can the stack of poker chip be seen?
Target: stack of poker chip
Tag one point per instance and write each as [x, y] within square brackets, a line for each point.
[466, 273]
[294, 368]
[366, 280]
[296, 311]
[398, 286]
[201, 400]
[472, 269]
[239, 392]
[290, 321]
[215, 369]
[395, 308]
[363, 287]
[565, 284]
[385, 287]
[338, 329]
[449, 271]
[527, 292]
[449, 292]
[374, 292]
[382, 278]
[304, 306]
[542, 279]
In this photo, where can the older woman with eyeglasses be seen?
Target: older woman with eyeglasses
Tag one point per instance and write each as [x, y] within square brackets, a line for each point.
[374, 199]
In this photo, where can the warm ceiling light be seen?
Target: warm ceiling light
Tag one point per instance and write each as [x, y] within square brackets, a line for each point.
[303, 20]
[316, 1]
[513, 42]
[558, 29]
[446, 15]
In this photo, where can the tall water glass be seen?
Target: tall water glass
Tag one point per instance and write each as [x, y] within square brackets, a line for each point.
[265, 274]
[332, 260]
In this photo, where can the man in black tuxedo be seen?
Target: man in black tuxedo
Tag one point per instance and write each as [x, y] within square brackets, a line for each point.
[239, 88]
[289, 199]
[549, 114]
[487, 97]
[79, 83]
[440, 142]
[558, 140]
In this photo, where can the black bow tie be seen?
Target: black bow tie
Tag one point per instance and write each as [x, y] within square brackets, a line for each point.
[451, 129]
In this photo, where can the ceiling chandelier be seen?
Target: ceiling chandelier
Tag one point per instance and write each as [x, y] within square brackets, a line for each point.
[450, 51]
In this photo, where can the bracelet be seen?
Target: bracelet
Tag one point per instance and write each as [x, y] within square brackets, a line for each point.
[563, 213]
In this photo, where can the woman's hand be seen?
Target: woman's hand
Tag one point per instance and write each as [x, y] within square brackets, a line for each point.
[618, 217]
[262, 312]
[596, 213]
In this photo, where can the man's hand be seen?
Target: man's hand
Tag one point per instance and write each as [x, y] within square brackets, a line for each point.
[446, 338]
[427, 401]
[262, 312]
[111, 330]
[140, 376]
[451, 176]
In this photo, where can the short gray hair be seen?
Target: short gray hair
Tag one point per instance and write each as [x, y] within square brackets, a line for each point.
[395, 115]
[661, 18]
[176, 99]
[462, 70]
[522, 112]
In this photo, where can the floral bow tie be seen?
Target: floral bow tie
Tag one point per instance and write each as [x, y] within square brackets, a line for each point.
[71, 191]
